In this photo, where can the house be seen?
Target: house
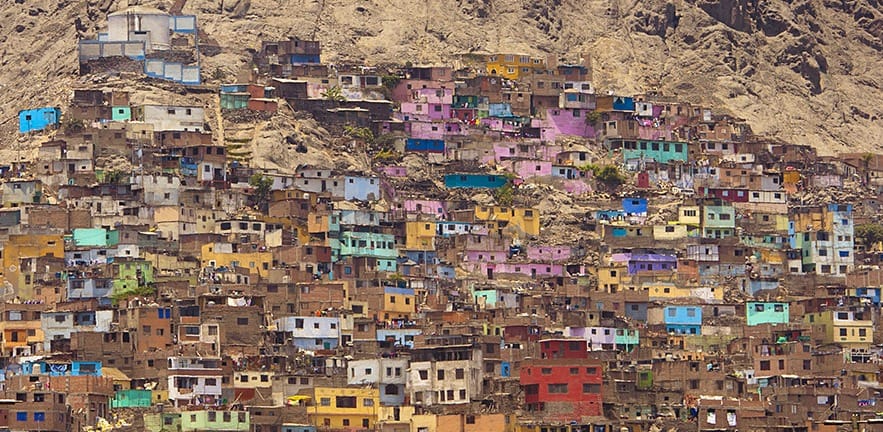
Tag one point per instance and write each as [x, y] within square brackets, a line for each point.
[172, 117]
[683, 319]
[310, 333]
[475, 181]
[344, 407]
[757, 313]
[389, 375]
[514, 66]
[194, 377]
[38, 119]
[17, 192]
[562, 389]
[445, 375]
[845, 328]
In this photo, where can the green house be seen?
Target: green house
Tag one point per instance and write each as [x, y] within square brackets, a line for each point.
[157, 422]
[208, 420]
[121, 113]
[129, 274]
[132, 399]
[97, 237]
[659, 151]
[757, 313]
[645, 378]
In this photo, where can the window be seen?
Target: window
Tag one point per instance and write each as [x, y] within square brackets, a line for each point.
[862, 332]
[470, 419]
[557, 388]
[591, 388]
[368, 402]
[424, 374]
[764, 365]
[21, 416]
[241, 321]
[758, 307]
[779, 308]
[691, 312]
[325, 401]
[546, 371]
[843, 332]
[440, 374]
[212, 416]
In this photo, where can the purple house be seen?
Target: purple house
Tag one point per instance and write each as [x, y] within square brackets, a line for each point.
[559, 121]
[640, 263]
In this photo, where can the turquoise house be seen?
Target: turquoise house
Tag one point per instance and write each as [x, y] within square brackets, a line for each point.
[475, 181]
[659, 151]
[121, 113]
[626, 339]
[372, 245]
[37, 119]
[757, 313]
[98, 237]
[132, 399]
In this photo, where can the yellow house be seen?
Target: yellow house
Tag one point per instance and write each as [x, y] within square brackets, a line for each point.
[613, 278]
[398, 302]
[846, 328]
[420, 235]
[462, 423]
[689, 215]
[514, 66]
[228, 255]
[344, 407]
[20, 327]
[669, 232]
[19, 250]
[669, 290]
[525, 220]
[395, 418]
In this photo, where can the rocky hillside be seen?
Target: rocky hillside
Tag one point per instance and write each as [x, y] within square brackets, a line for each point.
[805, 71]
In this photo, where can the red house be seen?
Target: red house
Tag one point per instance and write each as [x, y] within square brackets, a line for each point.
[563, 389]
[564, 349]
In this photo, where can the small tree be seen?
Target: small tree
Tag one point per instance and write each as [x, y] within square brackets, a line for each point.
[260, 194]
[505, 195]
[334, 94]
[609, 175]
[869, 234]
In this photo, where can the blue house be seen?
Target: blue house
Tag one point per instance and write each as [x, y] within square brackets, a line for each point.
[609, 215]
[683, 319]
[500, 110]
[872, 294]
[425, 145]
[634, 206]
[37, 119]
[623, 103]
[475, 181]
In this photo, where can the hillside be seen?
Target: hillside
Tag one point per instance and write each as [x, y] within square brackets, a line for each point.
[804, 71]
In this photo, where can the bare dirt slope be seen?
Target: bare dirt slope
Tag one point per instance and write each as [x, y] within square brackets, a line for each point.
[806, 71]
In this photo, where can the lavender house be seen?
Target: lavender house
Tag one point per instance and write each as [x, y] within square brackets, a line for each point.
[639, 263]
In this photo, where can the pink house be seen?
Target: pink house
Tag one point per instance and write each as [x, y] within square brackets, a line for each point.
[527, 269]
[406, 88]
[559, 122]
[500, 125]
[549, 253]
[576, 186]
[424, 111]
[529, 168]
[444, 96]
[434, 130]
[394, 171]
[427, 207]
